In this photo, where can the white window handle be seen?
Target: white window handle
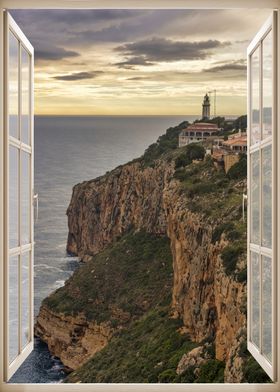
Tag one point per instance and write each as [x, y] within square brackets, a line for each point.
[244, 197]
[36, 200]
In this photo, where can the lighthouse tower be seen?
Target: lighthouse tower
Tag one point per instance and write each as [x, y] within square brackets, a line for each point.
[206, 107]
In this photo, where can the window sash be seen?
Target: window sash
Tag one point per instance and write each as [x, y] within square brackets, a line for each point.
[255, 244]
[22, 250]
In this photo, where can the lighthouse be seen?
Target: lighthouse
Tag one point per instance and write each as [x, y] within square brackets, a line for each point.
[206, 107]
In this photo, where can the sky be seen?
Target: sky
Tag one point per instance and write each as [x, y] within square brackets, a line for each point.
[139, 62]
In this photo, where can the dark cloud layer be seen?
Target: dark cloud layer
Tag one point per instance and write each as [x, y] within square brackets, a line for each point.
[78, 76]
[53, 53]
[228, 67]
[131, 62]
[166, 50]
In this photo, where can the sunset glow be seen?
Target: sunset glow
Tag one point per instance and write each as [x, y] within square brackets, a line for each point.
[128, 62]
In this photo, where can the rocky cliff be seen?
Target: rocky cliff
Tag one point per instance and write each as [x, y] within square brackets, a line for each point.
[103, 209]
[73, 339]
[198, 208]
[209, 301]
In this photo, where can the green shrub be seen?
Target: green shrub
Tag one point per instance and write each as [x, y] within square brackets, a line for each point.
[253, 373]
[182, 161]
[241, 276]
[188, 376]
[180, 174]
[234, 235]
[167, 376]
[211, 371]
[243, 352]
[230, 255]
[219, 230]
[192, 152]
[239, 170]
[201, 188]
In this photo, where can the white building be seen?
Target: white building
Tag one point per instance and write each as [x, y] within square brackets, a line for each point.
[196, 133]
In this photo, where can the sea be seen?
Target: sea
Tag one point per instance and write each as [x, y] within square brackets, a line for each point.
[69, 150]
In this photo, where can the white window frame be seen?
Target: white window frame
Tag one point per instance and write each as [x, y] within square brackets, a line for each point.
[9, 369]
[261, 251]
[130, 4]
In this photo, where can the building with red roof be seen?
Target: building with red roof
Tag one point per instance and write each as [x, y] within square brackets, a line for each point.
[197, 132]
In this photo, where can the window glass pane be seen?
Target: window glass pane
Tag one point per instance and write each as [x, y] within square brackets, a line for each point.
[255, 196]
[13, 197]
[25, 103]
[255, 102]
[25, 298]
[255, 322]
[267, 196]
[13, 308]
[267, 307]
[25, 198]
[13, 85]
[267, 86]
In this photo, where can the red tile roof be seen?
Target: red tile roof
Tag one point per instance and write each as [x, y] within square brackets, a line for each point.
[203, 127]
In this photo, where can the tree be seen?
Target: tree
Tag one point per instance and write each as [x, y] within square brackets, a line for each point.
[192, 151]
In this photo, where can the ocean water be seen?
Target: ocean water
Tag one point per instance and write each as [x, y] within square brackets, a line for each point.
[69, 150]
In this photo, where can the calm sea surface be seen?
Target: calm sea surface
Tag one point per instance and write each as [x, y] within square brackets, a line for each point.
[69, 150]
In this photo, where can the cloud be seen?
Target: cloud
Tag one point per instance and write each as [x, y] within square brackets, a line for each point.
[132, 61]
[226, 67]
[136, 78]
[54, 53]
[78, 76]
[166, 50]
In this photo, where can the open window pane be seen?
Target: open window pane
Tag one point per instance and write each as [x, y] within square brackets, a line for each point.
[13, 307]
[13, 85]
[255, 98]
[267, 307]
[25, 293]
[255, 325]
[13, 197]
[262, 208]
[267, 196]
[255, 198]
[267, 86]
[19, 263]
[25, 96]
[25, 198]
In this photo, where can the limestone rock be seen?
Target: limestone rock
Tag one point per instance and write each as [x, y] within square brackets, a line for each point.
[73, 339]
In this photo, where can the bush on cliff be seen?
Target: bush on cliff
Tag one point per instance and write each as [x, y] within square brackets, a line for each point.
[192, 152]
[230, 255]
[239, 170]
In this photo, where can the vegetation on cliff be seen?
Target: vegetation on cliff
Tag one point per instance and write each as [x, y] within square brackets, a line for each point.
[130, 280]
[120, 283]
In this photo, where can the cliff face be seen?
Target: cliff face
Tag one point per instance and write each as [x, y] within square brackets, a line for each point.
[208, 300]
[103, 209]
[73, 339]
[127, 276]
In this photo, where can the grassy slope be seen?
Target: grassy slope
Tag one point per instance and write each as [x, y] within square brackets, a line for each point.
[131, 276]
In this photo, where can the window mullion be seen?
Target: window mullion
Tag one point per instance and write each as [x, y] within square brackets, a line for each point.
[260, 196]
[19, 202]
